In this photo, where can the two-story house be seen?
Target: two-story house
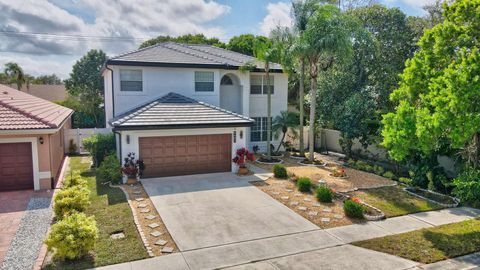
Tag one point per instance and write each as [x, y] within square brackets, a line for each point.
[186, 109]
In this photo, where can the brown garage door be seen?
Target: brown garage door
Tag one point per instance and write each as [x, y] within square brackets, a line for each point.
[182, 155]
[16, 169]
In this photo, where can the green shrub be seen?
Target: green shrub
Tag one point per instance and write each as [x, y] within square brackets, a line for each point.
[324, 194]
[100, 146]
[351, 163]
[304, 184]
[361, 165]
[389, 175]
[378, 170]
[353, 209]
[74, 179]
[72, 237]
[368, 168]
[405, 180]
[280, 171]
[467, 186]
[110, 170]
[69, 200]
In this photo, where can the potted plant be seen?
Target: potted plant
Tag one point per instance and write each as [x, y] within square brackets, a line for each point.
[242, 156]
[132, 168]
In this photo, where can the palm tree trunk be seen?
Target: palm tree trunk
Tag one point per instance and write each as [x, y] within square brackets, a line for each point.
[281, 142]
[313, 104]
[269, 111]
[302, 77]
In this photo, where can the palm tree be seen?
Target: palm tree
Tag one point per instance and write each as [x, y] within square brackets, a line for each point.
[326, 37]
[301, 13]
[268, 52]
[282, 123]
[15, 74]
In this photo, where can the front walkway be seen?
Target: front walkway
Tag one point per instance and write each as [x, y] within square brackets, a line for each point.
[314, 249]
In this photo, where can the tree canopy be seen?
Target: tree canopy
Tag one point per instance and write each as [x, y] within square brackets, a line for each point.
[189, 39]
[245, 43]
[437, 100]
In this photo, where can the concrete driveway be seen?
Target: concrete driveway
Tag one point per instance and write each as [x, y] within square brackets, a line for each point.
[217, 209]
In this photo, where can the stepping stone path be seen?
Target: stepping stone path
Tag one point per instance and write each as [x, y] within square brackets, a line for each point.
[116, 236]
[316, 204]
[276, 193]
[161, 242]
[139, 199]
[284, 197]
[150, 217]
[325, 220]
[167, 250]
[156, 233]
[153, 225]
[338, 216]
[294, 203]
[312, 213]
[302, 208]
[327, 210]
[146, 210]
[142, 205]
[307, 199]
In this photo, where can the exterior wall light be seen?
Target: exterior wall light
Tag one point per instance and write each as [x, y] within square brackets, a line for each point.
[40, 140]
[241, 134]
[128, 139]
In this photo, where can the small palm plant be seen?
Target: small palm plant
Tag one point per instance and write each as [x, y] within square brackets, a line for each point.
[282, 124]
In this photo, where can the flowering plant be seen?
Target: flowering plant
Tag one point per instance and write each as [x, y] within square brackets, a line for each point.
[339, 172]
[133, 167]
[357, 200]
[242, 156]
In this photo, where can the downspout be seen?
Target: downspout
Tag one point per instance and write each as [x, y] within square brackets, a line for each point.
[52, 179]
[120, 145]
[113, 96]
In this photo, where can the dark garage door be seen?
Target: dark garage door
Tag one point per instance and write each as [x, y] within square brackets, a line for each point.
[183, 155]
[16, 168]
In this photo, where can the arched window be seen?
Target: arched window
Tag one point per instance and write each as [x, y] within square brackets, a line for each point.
[226, 80]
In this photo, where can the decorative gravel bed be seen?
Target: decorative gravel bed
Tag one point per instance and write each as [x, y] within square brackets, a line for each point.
[29, 237]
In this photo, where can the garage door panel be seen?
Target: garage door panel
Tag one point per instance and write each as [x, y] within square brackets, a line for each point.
[182, 155]
[16, 166]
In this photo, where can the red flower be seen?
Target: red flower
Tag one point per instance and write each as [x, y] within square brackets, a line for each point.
[356, 199]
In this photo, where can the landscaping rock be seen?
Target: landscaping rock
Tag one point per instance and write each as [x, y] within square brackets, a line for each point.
[325, 220]
[338, 216]
[145, 210]
[298, 195]
[167, 250]
[117, 236]
[312, 213]
[137, 192]
[150, 217]
[153, 225]
[316, 204]
[302, 208]
[284, 197]
[139, 199]
[294, 203]
[327, 210]
[307, 199]
[161, 242]
[142, 205]
[289, 190]
[156, 233]
[276, 193]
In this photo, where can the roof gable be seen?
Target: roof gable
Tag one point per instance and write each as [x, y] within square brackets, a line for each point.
[177, 111]
[188, 55]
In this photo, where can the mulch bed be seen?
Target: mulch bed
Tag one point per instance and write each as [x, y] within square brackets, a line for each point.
[144, 222]
[280, 189]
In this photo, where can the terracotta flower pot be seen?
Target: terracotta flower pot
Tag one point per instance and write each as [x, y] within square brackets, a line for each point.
[132, 180]
[243, 171]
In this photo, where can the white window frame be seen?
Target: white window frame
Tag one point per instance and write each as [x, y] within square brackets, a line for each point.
[263, 129]
[263, 86]
[212, 82]
[130, 91]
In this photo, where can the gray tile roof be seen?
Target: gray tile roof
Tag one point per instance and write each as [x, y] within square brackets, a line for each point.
[178, 54]
[176, 111]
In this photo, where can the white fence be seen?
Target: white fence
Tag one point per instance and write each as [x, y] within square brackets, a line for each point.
[77, 135]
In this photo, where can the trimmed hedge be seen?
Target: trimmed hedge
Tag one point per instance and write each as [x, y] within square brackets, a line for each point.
[304, 184]
[353, 209]
[70, 200]
[280, 171]
[324, 194]
[110, 170]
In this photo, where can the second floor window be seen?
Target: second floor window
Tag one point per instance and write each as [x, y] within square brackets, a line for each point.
[258, 132]
[258, 84]
[131, 80]
[204, 81]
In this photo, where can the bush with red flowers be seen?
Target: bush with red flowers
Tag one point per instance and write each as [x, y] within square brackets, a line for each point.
[242, 156]
[133, 167]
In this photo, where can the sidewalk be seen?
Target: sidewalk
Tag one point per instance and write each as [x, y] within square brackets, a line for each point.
[326, 249]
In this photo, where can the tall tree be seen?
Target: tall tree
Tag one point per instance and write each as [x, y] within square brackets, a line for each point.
[86, 83]
[437, 100]
[189, 39]
[302, 11]
[47, 79]
[245, 43]
[326, 39]
[15, 74]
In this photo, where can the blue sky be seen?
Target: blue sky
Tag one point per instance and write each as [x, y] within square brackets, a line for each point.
[138, 20]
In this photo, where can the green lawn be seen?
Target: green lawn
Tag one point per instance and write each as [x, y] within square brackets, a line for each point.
[113, 214]
[432, 244]
[393, 201]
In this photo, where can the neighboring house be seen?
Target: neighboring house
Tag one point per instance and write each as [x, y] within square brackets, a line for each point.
[31, 140]
[186, 109]
[50, 92]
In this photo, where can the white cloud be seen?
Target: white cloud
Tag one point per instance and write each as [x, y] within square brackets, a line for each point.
[417, 3]
[123, 18]
[278, 14]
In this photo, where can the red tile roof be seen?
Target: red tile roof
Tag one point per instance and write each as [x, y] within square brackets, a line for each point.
[19, 110]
